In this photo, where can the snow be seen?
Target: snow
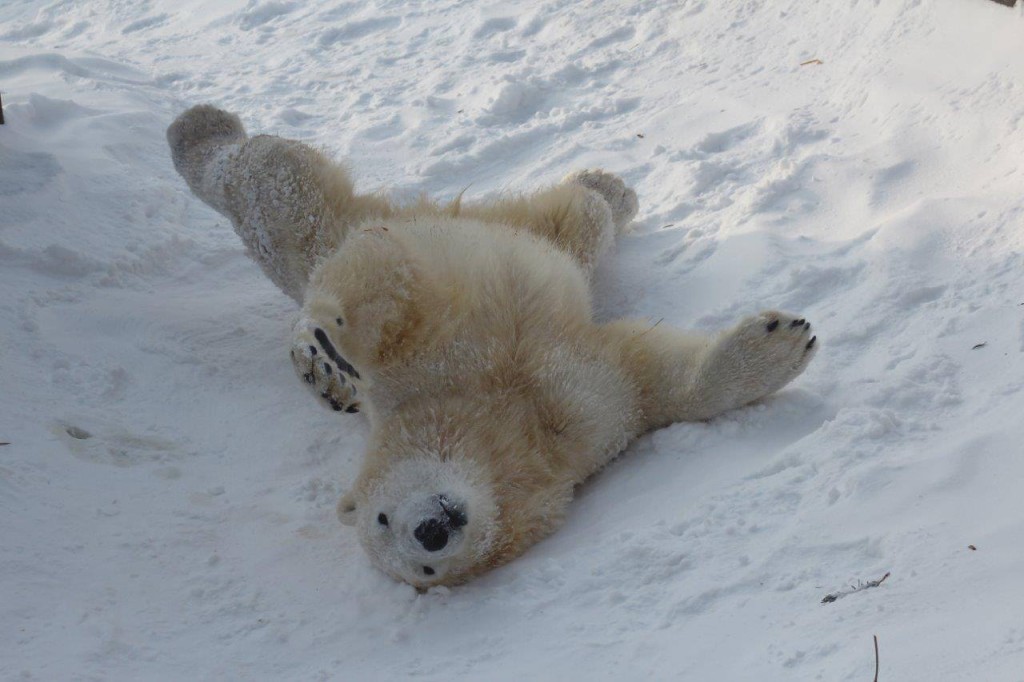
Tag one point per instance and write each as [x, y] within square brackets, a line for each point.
[168, 491]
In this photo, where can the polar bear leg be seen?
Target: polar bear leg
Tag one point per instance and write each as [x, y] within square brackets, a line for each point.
[620, 198]
[688, 377]
[580, 215]
[328, 373]
[287, 201]
[366, 307]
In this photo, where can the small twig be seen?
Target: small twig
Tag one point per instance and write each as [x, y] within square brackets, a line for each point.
[876, 655]
[836, 596]
[651, 329]
[1, 111]
[811, 61]
[5, 443]
[979, 345]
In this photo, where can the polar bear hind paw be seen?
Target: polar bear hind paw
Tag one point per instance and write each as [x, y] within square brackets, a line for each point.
[621, 199]
[324, 370]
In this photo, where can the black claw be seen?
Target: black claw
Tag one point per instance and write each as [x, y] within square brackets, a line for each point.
[335, 405]
[773, 325]
[352, 409]
[308, 376]
[327, 369]
[807, 326]
[810, 344]
[293, 354]
[796, 323]
[312, 350]
[341, 322]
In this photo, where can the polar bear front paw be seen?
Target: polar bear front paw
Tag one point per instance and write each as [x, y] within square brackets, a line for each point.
[323, 369]
[762, 354]
[621, 199]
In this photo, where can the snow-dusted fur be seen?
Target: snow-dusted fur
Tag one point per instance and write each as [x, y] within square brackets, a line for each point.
[465, 334]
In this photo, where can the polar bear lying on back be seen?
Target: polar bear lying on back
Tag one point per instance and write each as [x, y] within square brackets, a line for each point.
[464, 333]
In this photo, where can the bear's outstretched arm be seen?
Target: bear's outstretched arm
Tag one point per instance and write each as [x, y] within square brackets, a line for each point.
[689, 377]
[287, 201]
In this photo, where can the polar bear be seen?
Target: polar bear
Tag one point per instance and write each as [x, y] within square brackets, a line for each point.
[464, 333]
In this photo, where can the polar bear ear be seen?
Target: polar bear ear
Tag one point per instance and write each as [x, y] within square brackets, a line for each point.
[347, 509]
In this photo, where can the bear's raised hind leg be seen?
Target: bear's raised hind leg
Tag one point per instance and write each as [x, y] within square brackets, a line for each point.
[580, 215]
[621, 199]
[289, 204]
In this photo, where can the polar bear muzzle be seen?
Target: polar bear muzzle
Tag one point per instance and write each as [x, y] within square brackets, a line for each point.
[433, 532]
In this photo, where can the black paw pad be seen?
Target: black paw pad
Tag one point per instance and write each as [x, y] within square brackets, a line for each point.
[332, 353]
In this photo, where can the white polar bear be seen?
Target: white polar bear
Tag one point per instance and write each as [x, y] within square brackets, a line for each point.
[465, 334]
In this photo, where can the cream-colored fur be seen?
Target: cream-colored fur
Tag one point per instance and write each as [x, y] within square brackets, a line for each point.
[465, 334]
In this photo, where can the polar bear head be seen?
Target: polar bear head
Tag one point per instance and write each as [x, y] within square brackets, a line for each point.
[447, 491]
[423, 520]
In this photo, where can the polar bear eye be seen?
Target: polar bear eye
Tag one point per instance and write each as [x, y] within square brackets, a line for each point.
[382, 519]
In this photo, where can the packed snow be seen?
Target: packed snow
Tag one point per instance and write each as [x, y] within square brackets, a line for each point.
[167, 487]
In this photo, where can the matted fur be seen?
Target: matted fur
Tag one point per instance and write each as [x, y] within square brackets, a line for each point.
[464, 333]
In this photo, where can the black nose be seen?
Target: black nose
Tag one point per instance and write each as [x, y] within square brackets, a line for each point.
[432, 535]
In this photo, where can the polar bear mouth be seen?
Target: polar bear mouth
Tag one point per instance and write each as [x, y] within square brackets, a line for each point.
[455, 512]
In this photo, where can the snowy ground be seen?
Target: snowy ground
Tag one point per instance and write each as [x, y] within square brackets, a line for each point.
[167, 494]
